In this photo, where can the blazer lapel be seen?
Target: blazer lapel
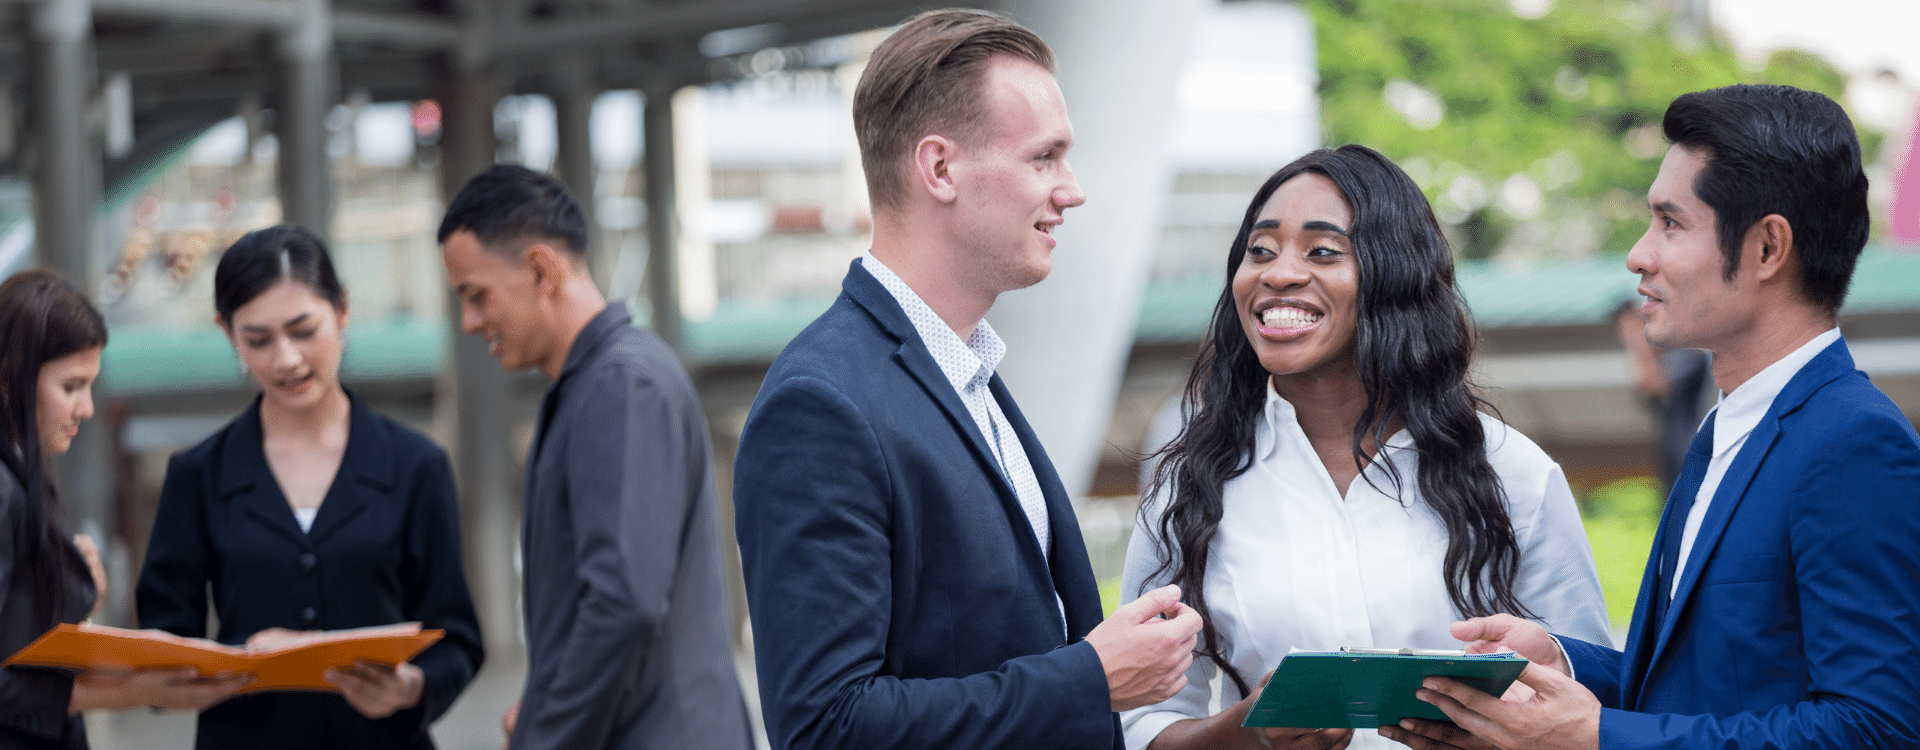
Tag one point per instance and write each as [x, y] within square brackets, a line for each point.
[914, 357]
[1829, 364]
[245, 477]
[366, 467]
[1071, 570]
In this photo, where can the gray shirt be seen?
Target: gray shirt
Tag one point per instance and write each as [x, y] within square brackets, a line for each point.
[625, 606]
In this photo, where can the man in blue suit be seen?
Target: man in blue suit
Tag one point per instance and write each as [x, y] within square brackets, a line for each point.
[1781, 604]
[915, 574]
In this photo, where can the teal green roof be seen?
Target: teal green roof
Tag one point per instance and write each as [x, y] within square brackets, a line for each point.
[152, 359]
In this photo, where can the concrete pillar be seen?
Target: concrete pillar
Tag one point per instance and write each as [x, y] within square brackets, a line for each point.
[1069, 337]
[473, 395]
[66, 170]
[573, 94]
[306, 94]
[663, 231]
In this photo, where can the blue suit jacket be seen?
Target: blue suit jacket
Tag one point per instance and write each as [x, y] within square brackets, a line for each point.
[1797, 622]
[898, 595]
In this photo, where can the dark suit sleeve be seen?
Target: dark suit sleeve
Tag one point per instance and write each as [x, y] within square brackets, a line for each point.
[436, 586]
[1855, 561]
[814, 518]
[1597, 667]
[32, 701]
[630, 481]
[172, 592]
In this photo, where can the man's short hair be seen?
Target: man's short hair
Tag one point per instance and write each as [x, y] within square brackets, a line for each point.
[1779, 150]
[509, 205]
[926, 77]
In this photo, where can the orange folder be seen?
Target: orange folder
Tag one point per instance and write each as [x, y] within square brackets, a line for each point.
[294, 664]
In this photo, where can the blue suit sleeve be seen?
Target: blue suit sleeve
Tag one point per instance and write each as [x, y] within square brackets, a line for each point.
[816, 507]
[1597, 667]
[1855, 561]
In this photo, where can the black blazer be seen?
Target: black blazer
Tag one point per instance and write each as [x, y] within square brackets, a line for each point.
[33, 702]
[898, 595]
[385, 548]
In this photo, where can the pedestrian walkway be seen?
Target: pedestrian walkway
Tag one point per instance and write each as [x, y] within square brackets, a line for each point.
[472, 724]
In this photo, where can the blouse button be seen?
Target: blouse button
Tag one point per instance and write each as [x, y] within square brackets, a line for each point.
[308, 561]
[309, 616]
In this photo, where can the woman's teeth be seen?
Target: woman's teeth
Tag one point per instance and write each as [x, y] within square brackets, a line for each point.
[1288, 317]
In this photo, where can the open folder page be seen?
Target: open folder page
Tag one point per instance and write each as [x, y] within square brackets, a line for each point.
[293, 664]
[1366, 688]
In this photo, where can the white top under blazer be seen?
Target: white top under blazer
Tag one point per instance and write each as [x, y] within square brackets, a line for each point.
[1295, 565]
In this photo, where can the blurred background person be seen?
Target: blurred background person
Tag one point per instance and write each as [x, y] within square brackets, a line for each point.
[1337, 483]
[47, 368]
[310, 511]
[1675, 384]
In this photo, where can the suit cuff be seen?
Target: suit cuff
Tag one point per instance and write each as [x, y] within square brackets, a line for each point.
[1564, 657]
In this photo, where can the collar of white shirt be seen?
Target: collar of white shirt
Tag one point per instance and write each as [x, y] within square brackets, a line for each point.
[1740, 411]
[1279, 414]
[962, 362]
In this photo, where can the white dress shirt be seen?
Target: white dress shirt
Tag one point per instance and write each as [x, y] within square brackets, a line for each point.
[1733, 420]
[1296, 565]
[969, 367]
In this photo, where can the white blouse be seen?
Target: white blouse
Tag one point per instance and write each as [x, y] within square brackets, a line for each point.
[1294, 565]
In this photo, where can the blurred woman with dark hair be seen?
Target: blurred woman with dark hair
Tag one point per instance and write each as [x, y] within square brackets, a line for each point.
[310, 511]
[1335, 483]
[51, 338]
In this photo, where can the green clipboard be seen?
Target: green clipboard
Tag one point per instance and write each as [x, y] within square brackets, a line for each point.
[1367, 688]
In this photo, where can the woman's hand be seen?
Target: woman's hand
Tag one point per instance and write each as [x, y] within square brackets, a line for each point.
[378, 691]
[1223, 730]
[178, 689]
[91, 553]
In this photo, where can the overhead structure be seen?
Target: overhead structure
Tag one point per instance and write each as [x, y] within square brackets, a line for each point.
[187, 64]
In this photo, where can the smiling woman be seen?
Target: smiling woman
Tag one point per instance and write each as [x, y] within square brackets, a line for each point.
[310, 511]
[1335, 483]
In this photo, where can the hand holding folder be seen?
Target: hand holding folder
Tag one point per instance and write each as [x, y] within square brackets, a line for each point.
[1366, 688]
[295, 663]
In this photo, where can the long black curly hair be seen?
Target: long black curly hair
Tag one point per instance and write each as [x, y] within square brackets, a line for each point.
[1412, 348]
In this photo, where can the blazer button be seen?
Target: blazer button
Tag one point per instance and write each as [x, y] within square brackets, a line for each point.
[309, 616]
[308, 561]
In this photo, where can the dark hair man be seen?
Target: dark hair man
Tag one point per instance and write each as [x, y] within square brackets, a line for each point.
[1780, 607]
[916, 574]
[625, 608]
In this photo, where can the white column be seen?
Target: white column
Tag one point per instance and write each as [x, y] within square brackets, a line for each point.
[1069, 337]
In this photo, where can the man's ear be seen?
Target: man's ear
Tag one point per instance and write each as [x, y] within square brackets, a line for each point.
[1769, 246]
[933, 167]
[549, 269]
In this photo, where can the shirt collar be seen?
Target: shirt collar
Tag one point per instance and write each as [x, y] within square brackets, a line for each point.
[611, 318]
[1740, 411]
[1275, 415]
[1278, 414]
[963, 363]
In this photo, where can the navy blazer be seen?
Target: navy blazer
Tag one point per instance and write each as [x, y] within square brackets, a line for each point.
[898, 595]
[1797, 622]
[385, 548]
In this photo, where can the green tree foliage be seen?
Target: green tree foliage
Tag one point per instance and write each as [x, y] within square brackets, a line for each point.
[1571, 100]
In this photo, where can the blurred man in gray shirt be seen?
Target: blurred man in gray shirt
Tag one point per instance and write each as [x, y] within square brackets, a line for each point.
[625, 609]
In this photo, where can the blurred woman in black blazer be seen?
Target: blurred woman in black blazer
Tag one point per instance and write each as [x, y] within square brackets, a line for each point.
[49, 359]
[310, 511]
